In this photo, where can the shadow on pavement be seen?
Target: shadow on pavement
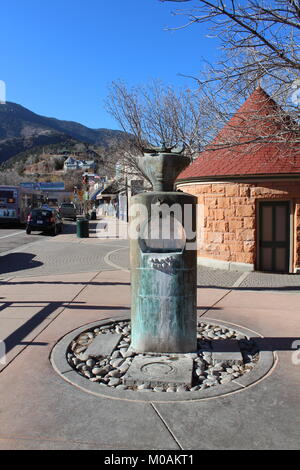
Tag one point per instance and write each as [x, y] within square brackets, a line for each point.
[16, 338]
[68, 227]
[252, 288]
[9, 263]
[18, 262]
[75, 283]
[20, 333]
[71, 227]
[14, 225]
[277, 344]
[262, 344]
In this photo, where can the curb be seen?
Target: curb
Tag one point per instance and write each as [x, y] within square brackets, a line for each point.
[266, 363]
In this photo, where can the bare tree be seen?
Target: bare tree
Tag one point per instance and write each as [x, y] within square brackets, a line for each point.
[119, 161]
[260, 45]
[159, 115]
[267, 32]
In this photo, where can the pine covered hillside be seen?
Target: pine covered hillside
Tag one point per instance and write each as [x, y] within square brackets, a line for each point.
[21, 130]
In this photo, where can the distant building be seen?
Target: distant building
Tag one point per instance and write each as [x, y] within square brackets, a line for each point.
[87, 165]
[72, 164]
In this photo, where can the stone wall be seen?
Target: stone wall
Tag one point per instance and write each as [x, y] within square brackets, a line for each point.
[227, 221]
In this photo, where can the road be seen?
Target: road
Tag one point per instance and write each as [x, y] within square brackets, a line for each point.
[39, 254]
[12, 238]
[15, 236]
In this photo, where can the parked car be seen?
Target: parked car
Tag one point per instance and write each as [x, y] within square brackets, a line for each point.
[44, 219]
[68, 210]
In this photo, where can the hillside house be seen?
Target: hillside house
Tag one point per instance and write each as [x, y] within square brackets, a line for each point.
[72, 164]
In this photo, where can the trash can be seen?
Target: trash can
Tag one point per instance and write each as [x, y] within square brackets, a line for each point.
[82, 228]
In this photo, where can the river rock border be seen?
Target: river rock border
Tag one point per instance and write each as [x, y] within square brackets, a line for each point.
[103, 376]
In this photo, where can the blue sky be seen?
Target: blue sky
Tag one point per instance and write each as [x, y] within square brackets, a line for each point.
[58, 57]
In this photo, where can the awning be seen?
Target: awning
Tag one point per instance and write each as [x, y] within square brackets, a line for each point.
[112, 196]
[95, 194]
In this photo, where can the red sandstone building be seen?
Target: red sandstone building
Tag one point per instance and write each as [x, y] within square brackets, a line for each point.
[248, 195]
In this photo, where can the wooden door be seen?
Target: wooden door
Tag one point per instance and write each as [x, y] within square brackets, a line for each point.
[274, 236]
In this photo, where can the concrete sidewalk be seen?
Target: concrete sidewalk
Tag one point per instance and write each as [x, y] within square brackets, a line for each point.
[41, 411]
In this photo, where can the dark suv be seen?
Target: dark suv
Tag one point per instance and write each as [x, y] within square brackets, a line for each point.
[44, 219]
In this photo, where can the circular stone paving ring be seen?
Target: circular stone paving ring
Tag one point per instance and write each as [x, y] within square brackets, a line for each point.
[157, 365]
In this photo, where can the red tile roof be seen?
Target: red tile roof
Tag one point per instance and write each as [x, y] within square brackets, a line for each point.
[239, 152]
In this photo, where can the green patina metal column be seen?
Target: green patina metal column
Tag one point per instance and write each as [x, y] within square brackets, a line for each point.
[163, 260]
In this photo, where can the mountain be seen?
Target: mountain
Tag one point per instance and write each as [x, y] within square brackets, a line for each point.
[21, 129]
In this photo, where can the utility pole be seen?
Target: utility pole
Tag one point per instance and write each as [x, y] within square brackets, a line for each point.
[85, 182]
